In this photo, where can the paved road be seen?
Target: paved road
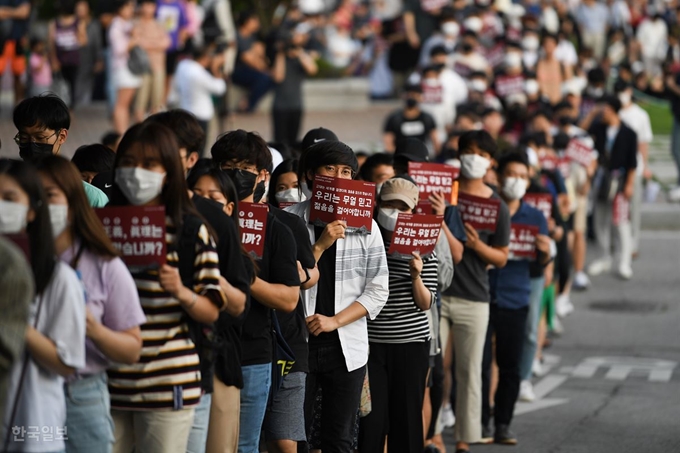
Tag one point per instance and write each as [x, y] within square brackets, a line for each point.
[616, 384]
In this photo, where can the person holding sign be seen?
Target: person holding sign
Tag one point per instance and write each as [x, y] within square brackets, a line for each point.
[245, 157]
[466, 301]
[399, 337]
[154, 410]
[55, 334]
[510, 289]
[353, 286]
[112, 304]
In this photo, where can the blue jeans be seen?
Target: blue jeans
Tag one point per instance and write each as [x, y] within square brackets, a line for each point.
[199, 430]
[88, 415]
[675, 145]
[111, 92]
[257, 379]
[257, 83]
[531, 333]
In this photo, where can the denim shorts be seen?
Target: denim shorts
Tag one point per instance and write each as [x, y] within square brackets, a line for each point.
[285, 418]
[88, 415]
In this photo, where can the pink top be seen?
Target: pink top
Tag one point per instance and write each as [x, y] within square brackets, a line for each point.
[193, 21]
[119, 39]
[155, 41]
[40, 70]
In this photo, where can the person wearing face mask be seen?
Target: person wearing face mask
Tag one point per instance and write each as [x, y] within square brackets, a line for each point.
[113, 310]
[55, 331]
[468, 59]
[447, 36]
[336, 319]
[411, 121]
[400, 330]
[510, 287]
[244, 157]
[591, 95]
[466, 301]
[284, 184]
[186, 290]
[42, 124]
[637, 119]
[530, 46]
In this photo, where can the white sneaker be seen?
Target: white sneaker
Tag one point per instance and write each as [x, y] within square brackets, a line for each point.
[600, 266]
[581, 281]
[557, 326]
[625, 272]
[537, 368]
[448, 419]
[563, 305]
[526, 392]
[674, 194]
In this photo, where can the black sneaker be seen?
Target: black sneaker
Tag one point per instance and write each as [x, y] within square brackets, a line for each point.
[504, 435]
[432, 448]
[487, 435]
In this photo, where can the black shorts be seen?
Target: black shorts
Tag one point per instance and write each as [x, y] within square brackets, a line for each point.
[171, 61]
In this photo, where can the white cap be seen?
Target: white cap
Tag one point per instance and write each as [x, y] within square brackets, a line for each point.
[277, 158]
[312, 7]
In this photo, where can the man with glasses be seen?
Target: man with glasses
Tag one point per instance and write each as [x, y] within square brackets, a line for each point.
[353, 286]
[42, 123]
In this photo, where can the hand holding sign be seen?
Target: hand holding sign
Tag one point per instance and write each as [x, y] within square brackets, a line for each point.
[170, 280]
[472, 237]
[331, 233]
[415, 266]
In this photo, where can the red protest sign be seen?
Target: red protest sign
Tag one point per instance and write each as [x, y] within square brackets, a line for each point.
[564, 166]
[481, 213]
[509, 85]
[432, 177]
[620, 210]
[343, 199]
[548, 161]
[22, 242]
[415, 233]
[432, 94]
[523, 241]
[577, 151]
[138, 232]
[286, 204]
[424, 207]
[252, 218]
[541, 201]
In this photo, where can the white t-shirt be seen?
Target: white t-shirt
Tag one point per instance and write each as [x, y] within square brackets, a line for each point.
[42, 403]
[565, 53]
[195, 87]
[637, 119]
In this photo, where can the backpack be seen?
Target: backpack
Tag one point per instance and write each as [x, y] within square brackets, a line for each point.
[210, 28]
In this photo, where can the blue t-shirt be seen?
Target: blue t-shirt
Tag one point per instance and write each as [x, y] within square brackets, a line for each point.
[511, 285]
[16, 28]
[455, 223]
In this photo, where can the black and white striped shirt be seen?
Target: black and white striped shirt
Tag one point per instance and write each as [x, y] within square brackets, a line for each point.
[401, 321]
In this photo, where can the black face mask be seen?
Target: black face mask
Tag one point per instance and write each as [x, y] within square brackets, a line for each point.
[566, 121]
[411, 103]
[34, 152]
[259, 192]
[244, 181]
[467, 47]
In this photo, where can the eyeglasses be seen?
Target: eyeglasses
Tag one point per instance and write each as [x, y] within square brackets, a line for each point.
[25, 138]
[336, 171]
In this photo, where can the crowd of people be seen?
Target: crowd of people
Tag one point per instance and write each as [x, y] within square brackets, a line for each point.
[325, 340]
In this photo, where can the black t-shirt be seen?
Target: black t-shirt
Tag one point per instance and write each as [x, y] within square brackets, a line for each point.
[227, 328]
[288, 93]
[325, 298]
[471, 279]
[105, 7]
[402, 127]
[426, 22]
[277, 266]
[293, 325]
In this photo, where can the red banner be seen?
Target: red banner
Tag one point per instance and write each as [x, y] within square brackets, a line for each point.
[577, 151]
[424, 207]
[252, 218]
[509, 85]
[541, 201]
[138, 232]
[433, 178]
[523, 241]
[481, 213]
[548, 161]
[415, 233]
[343, 199]
[432, 94]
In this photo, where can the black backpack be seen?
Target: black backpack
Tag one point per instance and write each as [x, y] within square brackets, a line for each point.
[210, 27]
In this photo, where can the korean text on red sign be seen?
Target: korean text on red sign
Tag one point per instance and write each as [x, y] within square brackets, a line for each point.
[480, 213]
[522, 242]
[252, 218]
[138, 232]
[433, 178]
[579, 152]
[541, 201]
[415, 233]
[342, 199]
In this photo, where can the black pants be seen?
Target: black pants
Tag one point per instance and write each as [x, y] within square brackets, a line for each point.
[341, 397]
[436, 392]
[286, 126]
[508, 326]
[397, 374]
[70, 74]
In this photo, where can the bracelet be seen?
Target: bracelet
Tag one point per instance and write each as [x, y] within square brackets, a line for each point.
[416, 278]
[194, 299]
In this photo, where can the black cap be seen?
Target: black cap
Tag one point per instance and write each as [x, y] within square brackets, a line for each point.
[412, 150]
[317, 135]
[621, 85]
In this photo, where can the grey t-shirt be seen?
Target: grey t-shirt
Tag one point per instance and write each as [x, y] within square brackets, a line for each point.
[471, 279]
[288, 93]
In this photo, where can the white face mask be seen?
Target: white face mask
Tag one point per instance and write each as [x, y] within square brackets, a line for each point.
[58, 218]
[514, 188]
[431, 82]
[596, 92]
[473, 166]
[294, 195]
[450, 29]
[530, 43]
[625, 98]
[387, 218]
[478, 85]
[12, 217]
[531, 86]
[305, 190]
[513, 60]
[138, 185]
[474, 24]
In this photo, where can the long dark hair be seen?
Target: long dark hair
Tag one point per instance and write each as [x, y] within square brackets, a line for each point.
[43, 255]
[84, 222]
[156, 139]
[205, 167]
[287, 166]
